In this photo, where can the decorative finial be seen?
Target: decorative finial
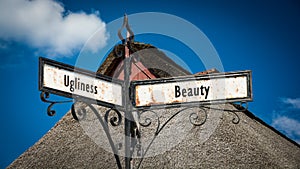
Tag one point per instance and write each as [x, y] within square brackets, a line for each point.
[125, 24]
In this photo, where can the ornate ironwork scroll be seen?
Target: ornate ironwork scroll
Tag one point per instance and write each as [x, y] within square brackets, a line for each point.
[104, 121]
[45, 96]
[114, 118]
[194, 119]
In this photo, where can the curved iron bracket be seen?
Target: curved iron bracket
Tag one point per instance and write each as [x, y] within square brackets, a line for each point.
[45, 96]
[104, 121]
[194, 119]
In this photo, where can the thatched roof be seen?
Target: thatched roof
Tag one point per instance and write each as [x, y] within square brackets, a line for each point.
[218, 143]
[248, 144]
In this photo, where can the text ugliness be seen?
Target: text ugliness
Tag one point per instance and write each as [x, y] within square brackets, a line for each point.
[76, 84]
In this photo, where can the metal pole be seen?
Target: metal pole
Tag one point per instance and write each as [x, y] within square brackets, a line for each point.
[128, 108]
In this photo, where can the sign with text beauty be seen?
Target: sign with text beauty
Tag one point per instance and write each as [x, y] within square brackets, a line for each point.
[68, 81]
[205, 89]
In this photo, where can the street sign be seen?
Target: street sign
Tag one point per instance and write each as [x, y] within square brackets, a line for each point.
[82, 85]
[65, 80]
[189, 90]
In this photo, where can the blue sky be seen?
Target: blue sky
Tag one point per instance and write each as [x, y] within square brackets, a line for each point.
[262, 36]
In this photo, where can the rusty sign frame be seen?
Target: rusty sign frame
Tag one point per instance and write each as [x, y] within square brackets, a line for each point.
[44, 61]
[246, 73]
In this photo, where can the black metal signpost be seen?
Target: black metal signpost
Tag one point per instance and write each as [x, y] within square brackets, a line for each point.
[139, 96]
[129, 130]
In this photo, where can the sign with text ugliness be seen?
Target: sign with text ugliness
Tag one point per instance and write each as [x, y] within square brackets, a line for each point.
[68, 81]
[205, 89]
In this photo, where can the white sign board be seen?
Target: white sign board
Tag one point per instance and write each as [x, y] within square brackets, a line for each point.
[207, 89]
[67, 81]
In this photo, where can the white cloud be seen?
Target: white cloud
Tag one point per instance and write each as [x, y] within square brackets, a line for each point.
[289, 126]
[295, 103]
[44, 24]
